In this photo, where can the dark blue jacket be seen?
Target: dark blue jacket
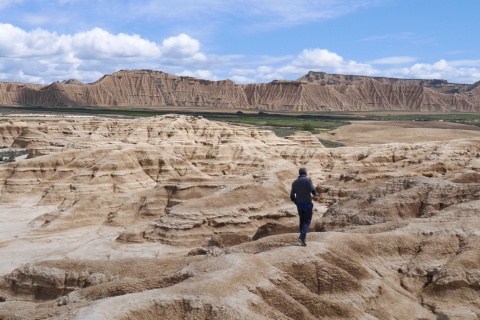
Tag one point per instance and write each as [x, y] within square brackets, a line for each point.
[302, 190]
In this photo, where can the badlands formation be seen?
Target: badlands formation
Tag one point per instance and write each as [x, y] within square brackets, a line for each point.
[177, 217]
[316, 91]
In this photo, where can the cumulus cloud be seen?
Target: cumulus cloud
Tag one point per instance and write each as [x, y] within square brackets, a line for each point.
[457, 71]
[99, 44]
[307, 60]
[31, 54]
[324, 60]
[182, 46]
[200, 74]
[42, 56]
[317, 58]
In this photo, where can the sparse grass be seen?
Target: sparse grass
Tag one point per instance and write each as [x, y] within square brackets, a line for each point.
[412, 116]
[330, 144]
[282, 124]
[10, 155]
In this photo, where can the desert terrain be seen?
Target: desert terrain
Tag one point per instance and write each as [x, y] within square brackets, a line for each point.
[313, 92]
[179, 217]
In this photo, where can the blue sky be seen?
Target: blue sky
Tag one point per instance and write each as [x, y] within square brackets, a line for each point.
[247, 41]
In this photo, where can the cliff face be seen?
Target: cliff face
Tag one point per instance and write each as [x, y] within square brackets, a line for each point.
[316, 91]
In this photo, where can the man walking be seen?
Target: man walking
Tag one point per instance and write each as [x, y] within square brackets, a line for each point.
[301, 194]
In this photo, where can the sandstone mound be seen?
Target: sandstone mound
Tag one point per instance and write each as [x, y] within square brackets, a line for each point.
[305, 138]
[316, 91]
[182, 172]
[179, 217]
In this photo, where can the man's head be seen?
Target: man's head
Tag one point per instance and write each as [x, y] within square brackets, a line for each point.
[302, 171]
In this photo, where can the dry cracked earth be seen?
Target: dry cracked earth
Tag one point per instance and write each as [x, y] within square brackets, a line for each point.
[177, 217]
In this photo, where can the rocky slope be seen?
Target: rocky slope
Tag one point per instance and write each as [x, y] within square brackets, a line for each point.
[179, 217]
[316, 91]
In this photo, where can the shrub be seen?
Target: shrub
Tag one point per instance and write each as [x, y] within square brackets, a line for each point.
[307, 127]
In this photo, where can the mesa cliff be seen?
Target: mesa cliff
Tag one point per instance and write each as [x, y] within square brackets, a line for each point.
[316, 91]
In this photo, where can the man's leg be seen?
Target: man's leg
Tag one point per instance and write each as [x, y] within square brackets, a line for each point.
[301, 218]
[300, 221]
[305, 220]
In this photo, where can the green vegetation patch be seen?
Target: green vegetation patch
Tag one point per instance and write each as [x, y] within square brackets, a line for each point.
[282, 124]
[10, 155]
[330, 144]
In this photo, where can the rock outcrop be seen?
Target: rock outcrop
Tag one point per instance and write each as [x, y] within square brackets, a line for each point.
[316, 91]
[179, 217]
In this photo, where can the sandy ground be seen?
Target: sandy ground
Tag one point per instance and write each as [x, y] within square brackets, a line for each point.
[363, 133]
[20, 243]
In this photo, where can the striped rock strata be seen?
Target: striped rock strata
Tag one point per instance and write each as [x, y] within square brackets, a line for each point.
[316, 91]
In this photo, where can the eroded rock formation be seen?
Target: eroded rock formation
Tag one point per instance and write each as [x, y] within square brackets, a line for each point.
[316, 91]
[179, 217]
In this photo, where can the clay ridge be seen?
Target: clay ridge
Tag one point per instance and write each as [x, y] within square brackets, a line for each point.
[316, 91]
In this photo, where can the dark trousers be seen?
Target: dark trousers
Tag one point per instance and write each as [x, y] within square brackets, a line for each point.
[305, 218]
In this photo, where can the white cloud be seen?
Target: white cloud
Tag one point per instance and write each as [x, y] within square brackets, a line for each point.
[307, 60]
[242, 79]
[428, 71]
[394, 60]
[99, 44]
[324, 60]
[41, 56]
[317, 58]
[93, 44]
[200, 74]
[353, 67]
[267, 77]
[50, 56]
[465, 63]
[442, 69]
[181, 45]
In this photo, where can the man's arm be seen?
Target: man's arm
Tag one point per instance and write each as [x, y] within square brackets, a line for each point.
[292, 194]
[312, 189]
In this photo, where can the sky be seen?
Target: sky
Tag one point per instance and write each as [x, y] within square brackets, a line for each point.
[247, 41]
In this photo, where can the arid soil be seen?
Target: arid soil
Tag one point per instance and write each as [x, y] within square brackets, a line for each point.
[364, 133]
[177, 217]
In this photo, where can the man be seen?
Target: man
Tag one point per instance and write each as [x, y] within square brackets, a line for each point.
[301, 194]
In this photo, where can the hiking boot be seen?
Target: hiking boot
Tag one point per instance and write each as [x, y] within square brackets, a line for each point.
[302, 242]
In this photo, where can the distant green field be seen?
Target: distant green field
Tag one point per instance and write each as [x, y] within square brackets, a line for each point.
[452, 117]
[282, 124]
